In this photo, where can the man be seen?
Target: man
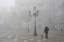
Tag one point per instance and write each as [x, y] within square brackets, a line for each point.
[46, 32]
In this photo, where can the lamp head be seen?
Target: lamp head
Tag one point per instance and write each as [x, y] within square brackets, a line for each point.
[29, 12]
[34, 8]
[37, 12]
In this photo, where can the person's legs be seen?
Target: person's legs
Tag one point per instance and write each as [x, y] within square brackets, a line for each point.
[47, 35]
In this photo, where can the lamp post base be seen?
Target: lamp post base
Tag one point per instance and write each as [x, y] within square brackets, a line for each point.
[35, 34]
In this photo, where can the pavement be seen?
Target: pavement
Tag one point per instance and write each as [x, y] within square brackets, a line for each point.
[22, 35]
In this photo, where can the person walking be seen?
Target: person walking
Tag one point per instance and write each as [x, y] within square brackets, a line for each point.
[46, 32]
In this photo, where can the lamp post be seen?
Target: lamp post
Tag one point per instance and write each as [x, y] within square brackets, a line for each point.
[35, 14]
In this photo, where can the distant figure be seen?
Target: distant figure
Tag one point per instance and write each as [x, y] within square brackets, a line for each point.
[46, 32]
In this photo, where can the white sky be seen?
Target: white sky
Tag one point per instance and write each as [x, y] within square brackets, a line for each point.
[7, 3]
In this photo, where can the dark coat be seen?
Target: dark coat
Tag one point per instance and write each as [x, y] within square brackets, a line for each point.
[46, 29]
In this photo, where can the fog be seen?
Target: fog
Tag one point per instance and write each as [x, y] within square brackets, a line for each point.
[14, 14]
[25, 20]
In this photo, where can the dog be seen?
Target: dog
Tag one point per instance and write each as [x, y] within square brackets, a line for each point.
[41, 36]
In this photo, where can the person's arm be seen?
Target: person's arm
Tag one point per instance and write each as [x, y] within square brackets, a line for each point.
[44, 30]
[48, 29]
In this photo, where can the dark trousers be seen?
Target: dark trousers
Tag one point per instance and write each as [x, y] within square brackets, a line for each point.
[46, 35]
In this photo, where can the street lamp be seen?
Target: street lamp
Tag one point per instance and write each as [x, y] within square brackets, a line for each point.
[35, 14]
